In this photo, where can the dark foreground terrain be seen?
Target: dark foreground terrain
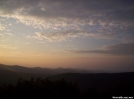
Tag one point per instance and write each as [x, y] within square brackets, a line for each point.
[18, 85]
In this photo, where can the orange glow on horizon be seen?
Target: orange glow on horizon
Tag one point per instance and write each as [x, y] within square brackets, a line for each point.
[54, 61]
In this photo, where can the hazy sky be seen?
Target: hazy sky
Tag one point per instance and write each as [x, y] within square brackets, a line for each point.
[89, 34]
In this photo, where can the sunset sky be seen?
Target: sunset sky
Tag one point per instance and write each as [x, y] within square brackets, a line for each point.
[86, 34]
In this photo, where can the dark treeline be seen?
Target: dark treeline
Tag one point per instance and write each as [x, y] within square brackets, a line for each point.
[61, 89]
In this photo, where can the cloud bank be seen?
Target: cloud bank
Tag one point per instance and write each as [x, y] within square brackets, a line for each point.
[116, 49]
[100, 19]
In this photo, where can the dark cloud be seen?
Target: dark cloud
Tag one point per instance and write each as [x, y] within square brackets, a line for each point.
[80, 9]
[118, 49]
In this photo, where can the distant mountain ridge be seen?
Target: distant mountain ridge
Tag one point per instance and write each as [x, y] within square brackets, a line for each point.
[85, 79]
[39, 70]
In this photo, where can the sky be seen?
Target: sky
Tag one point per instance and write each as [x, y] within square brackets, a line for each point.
[85, 34]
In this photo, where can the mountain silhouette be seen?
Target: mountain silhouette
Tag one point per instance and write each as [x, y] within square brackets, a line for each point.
[39, 70]
[46, 82]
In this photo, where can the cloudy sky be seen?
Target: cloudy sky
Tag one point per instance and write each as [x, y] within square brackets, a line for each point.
[88, 34]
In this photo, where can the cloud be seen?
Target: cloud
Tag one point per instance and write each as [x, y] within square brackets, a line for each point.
[1, 34]
[57, 36]
[9, 47]
[9, 34]
[66, 10]
[2, 27]
[10, 24]
[128, 39]
[61, 35]
[117, 49]
[33, 37]
[110, 18]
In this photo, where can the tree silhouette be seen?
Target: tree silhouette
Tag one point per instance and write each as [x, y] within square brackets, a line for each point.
[61, 89]
[40, 88]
